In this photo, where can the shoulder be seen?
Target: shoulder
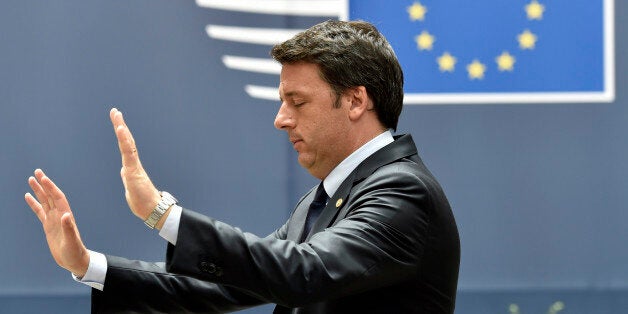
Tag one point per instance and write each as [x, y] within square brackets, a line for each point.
[404, 172]
[405, 184]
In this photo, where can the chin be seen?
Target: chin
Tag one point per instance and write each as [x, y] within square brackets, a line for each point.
[307, 165]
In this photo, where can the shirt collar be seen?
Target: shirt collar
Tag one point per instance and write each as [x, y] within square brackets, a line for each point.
[342, 171]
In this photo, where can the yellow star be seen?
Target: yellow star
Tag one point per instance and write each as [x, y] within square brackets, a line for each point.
[476, 70]
[527, 40]
[505, 62]
[417, 11]
[535, 10]
[446, 62]
[425, 41]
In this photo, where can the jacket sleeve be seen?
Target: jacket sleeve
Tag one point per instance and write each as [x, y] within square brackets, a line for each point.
[133, 286]
[379, 242]
[142, 287]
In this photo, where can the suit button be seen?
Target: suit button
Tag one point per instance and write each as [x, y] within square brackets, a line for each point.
[204, 266]
[211, 268]
[218, 271]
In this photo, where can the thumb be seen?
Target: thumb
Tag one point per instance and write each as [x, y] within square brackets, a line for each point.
[70, 230]
[77, 258]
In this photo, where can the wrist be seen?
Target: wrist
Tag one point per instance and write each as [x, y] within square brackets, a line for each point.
[161, 209]
[163, 219]
[81, 269]
[152, 205]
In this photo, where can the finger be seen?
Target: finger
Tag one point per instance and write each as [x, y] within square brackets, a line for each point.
[39, 193]
[117, 119]
[111, 114]
[40, 175]
[126, 143]
[55, 194]
[128, 150]
[35, 206]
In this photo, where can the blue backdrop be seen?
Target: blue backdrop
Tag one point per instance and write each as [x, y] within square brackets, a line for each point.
[539, 190]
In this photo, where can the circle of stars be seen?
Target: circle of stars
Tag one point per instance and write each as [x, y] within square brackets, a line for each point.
[476, 70]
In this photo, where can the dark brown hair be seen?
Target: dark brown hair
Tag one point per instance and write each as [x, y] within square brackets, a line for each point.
[351, 54]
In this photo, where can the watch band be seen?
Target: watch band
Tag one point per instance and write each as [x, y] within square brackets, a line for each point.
[165, 202]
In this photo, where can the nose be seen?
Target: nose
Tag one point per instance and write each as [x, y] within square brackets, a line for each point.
[284, 117]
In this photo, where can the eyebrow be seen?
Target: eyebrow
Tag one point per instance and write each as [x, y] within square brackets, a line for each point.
[289, 94]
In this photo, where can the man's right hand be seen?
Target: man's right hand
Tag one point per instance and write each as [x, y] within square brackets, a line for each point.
[53, 210]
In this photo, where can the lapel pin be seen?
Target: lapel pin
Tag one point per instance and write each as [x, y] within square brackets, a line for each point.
[338, 202]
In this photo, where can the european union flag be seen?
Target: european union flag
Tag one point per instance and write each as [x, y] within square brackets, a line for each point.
[495, 51]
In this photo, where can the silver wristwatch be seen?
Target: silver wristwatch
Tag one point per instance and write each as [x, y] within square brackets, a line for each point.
[165, 202]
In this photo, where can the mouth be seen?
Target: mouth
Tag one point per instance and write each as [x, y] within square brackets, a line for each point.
[295, 142]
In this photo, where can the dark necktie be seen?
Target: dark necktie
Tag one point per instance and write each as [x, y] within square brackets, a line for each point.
[316, 207]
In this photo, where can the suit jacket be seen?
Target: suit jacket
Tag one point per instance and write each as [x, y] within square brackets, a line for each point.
[386, 242]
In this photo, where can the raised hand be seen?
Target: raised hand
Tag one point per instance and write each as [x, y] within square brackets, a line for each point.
[140, 193]
[53, 210]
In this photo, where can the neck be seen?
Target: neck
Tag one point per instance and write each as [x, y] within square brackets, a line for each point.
[354, 143]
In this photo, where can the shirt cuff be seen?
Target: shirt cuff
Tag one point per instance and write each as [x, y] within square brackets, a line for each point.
[96, 271]
[170, 229]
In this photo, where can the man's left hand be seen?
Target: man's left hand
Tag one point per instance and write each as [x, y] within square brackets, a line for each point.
[140, 193]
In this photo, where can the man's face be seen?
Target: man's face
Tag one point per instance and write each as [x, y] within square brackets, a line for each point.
[318, 131]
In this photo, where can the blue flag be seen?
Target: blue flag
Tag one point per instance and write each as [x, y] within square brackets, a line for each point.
[498, 51]
[454, 51]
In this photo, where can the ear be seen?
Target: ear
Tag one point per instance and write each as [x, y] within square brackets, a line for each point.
[360, 102]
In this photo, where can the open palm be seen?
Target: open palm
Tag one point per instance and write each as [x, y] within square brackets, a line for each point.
[54, 213]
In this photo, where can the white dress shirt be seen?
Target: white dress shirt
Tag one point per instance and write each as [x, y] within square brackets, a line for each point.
[97, 269]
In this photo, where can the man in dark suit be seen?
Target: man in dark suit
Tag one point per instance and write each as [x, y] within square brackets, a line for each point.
[376, 236]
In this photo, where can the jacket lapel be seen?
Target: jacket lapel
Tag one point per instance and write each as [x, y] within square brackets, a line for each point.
[402, 147]
[297, 221]
[336, 202]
